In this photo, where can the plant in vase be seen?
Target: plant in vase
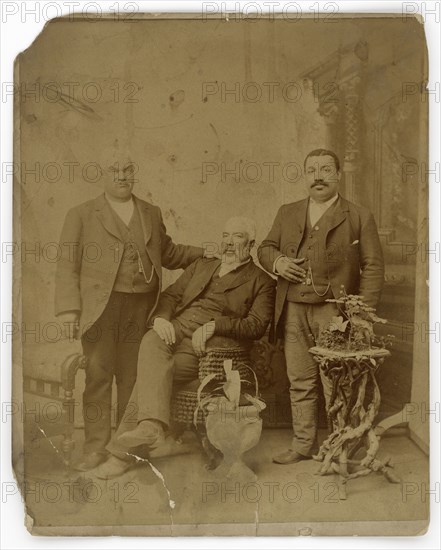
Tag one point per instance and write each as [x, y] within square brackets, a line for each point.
[353, 330]
[233, 424]
[349, 354]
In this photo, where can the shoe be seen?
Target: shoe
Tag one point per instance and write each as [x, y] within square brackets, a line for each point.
[289, 457]
[90, 461]
[112, 468]
[147, 432]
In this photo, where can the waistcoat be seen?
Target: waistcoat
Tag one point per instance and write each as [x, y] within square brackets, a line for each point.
[135, 272]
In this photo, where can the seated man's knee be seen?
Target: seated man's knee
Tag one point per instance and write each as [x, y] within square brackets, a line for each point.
[152, 347]
[151, 338]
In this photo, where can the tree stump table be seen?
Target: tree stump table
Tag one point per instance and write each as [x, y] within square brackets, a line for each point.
[352, 409]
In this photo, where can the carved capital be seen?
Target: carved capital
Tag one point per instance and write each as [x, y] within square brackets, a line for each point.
[326, 95]
[336, 85]
[350, 86]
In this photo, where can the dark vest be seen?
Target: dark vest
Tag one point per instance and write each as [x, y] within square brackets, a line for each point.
[210, 304]
[313, 249]
[135, 272]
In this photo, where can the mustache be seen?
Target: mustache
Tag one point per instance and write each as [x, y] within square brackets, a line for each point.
[230, 248]
[318, 182]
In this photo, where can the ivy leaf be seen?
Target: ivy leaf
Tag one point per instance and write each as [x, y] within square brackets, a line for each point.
[337, 323]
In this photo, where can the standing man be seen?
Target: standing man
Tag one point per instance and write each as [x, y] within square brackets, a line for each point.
[315, 246]
[108, 282]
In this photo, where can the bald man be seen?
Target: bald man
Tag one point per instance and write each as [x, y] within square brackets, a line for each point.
[107, 284]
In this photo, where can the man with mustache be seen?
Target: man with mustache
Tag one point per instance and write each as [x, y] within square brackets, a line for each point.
[107, 283]
[212, 300]
[316, 246]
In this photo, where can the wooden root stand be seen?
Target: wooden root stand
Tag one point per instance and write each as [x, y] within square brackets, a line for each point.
[352, 409]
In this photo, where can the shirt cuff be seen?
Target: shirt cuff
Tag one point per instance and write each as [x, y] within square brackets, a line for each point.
[274, 264]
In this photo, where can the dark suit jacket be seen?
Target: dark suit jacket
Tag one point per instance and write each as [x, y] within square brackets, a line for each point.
[92, 249]
[353, 250]
[249, 299]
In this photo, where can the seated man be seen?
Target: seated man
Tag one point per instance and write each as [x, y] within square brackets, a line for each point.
[231, 297]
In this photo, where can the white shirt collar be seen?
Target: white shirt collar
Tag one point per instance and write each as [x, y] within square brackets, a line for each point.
[119, 203]
[325, 204]
[317, 209]
[122, 209]
[227, 268]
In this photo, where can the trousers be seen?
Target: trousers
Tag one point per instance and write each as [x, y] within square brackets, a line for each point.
[160, 369]
[303, 323]
[111, 346]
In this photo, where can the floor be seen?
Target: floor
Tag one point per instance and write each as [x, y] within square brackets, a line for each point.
[177, 491]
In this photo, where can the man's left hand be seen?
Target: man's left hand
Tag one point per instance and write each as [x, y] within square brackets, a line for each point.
[201, 336]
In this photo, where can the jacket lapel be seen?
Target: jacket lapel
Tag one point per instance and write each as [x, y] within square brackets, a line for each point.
[244, 274]
[298, 217]
[146, 218]
[106, 217]
[339, 214]
[205, 276]
[199, 282]
[301, 215]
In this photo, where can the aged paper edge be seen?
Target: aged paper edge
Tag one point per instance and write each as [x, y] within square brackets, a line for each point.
[231, 14]
[323, 528]
[332, 528]
[17, 433]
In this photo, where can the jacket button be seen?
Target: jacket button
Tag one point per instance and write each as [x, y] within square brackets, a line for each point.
[302, 294]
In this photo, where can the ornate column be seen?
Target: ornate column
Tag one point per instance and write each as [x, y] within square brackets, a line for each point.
[337, 87]
[321, 83]
[350, 88]
[383, 152]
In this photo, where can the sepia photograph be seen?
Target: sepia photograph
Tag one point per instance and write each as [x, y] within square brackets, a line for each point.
[220, 273]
